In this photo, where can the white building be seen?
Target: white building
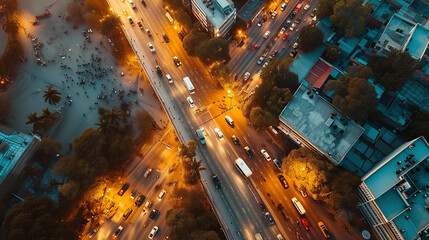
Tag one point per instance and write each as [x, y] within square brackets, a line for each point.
[216, 16]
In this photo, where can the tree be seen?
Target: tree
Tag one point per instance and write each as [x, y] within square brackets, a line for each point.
[174, 4]
[351, 16]
[181, 223]
[49, 147]
[204, 235]
[392, 71]
[419, 126]
[144, 123]
[261, 119]
[222, 73]
[344, 196]
[353, 95]
[184, 19]
[52, 96]
[37, 121]
[310, 37]
[325, 8]
[14, 53]
[110, 25]
[331, 53]
[11, 25]
[189, 151]
[112, 117]
[32, 172]
[75, 13]
[277, 72]
[192, 41]
[5, 107]
[48, 117]
[213, 50]
[104, 126]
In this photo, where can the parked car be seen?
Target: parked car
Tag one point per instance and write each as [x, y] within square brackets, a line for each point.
[143, 2]
[274, 53]
[292, 27]
[324, 230]
[288, 22]
[281, 32]
[298, 20]
[295, 45]
[278, 164]
[123, 189]
[249, 151]
[285, 36]
[283, 6]
[246, 76]
[313, 13]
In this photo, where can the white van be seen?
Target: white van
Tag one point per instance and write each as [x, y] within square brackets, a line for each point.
[229, 120]
[298, 206]
[132, 4]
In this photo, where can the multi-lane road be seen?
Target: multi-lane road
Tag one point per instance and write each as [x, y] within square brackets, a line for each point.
[237, 203]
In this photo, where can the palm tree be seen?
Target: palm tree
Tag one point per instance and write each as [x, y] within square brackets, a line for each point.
[112, 117]
[52, 96]
[53, 182]
[48, 117]
[15, 51]
[11, 25]
[196, 166]
[104, 126]
[31, 171]
[35, 120]
[110, 24]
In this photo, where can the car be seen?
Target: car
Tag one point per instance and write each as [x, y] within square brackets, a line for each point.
[298, 20]
[263, 207]
[259, 24]
[265, 64]
[293, 53]
[235, 140]
[273, 15]
[269, 218]
[133, 194]
[260, 60]
[267, 34]
[283, 181]
[127, 213]
[147, 173]
[143, 2]
[280, 237]
[278, 164]
[265, 155]
[139, 24]
[313, 13]
[139, 201]
[161, 194]
[153, 232]
[148, 204]
[131, 20]
[191, 102]
[169, 79]
[246, 76]
[219, 133]
[285, 36]
[281, 32]
[153, 214]
[274, 53]
[288, 22]
[269, 58]
[201, 137]
[166, 39]
[149, 34]
[292, 27]
[295, 45]
[324, 230]
[283, 6]
[256, 47]
[305, 223]
[176, 61]
[118, 231]
[133, 6]
[303, 193]
[123, 189]
[259, 72]
[216, 181]
[229, 120]
[292, 15]
[151, 48]
[306, 7]
[158, 70]
[249, 151]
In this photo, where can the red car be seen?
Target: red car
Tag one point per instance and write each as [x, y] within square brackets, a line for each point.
[256, 47]
[305, 223]
[285, 36]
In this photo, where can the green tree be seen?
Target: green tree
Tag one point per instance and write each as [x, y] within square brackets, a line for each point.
[222, 73]
[419, 126]
[310, 37]
[32, 172]
[110, 25]
[14, 54]
[278, 73]
[184, 19]
[331, 53]
[11, 25]
[189, 150]
[325, 8]
[181, 223]
[392, 71]
[53, 183]
[5, 107]
[194, 167]
[37, 121]
[104, 126]
[213, 50]
[204, 235]
[112, 117]
[193, 40]
[351, 16]
[144, 123]
[353, 95]
[48, 118]
[52, 96]
[261, 119]
[344, 196]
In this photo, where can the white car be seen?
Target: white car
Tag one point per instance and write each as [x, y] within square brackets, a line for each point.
[307, 7]
[151, 48]
[191, 102]
[219, 134]
[265, 64]
[260, 60]
[292, 27]
[118, 231]
[267, 34]
[282, 31]
[246, 76]
[169, 79]
[161, 194]
[153, 232]
[265, 154]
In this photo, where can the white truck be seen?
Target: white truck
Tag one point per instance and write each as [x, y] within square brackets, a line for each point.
[188, 85]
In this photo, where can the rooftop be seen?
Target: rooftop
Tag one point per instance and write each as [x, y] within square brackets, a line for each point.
[399, 183]
[319, 73]
[249, 10]
[216, 10]
[418, 42]
[417, 93]
[396, 32]
[321, 124]
[301, 65]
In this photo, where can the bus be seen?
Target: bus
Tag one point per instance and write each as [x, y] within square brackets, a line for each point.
[298, 206]
[169, 18]
[297, 8]
[188, 85]
[244, 169]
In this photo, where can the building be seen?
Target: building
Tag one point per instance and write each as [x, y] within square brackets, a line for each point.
[404, 35]
[16, 150]
[313, 122]
[394, 195]
[251, 10]
[216, 16]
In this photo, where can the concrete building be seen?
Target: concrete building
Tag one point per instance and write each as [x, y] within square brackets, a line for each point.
[313, 122]
[404, 35]
[394, 195]
[216, 16]
[16, 150]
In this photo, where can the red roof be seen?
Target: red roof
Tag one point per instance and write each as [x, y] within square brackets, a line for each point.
[421, 73]
[319, 73]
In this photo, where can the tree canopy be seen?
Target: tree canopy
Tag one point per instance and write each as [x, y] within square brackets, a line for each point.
[192, 41]
[353, 95]
[351, 16]
[331, 53]
[310, 37]
[213, 50]
[392, 71]
[184, 19]
[145, 126]
[110, 25]
[419, 126]
[325, 8]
